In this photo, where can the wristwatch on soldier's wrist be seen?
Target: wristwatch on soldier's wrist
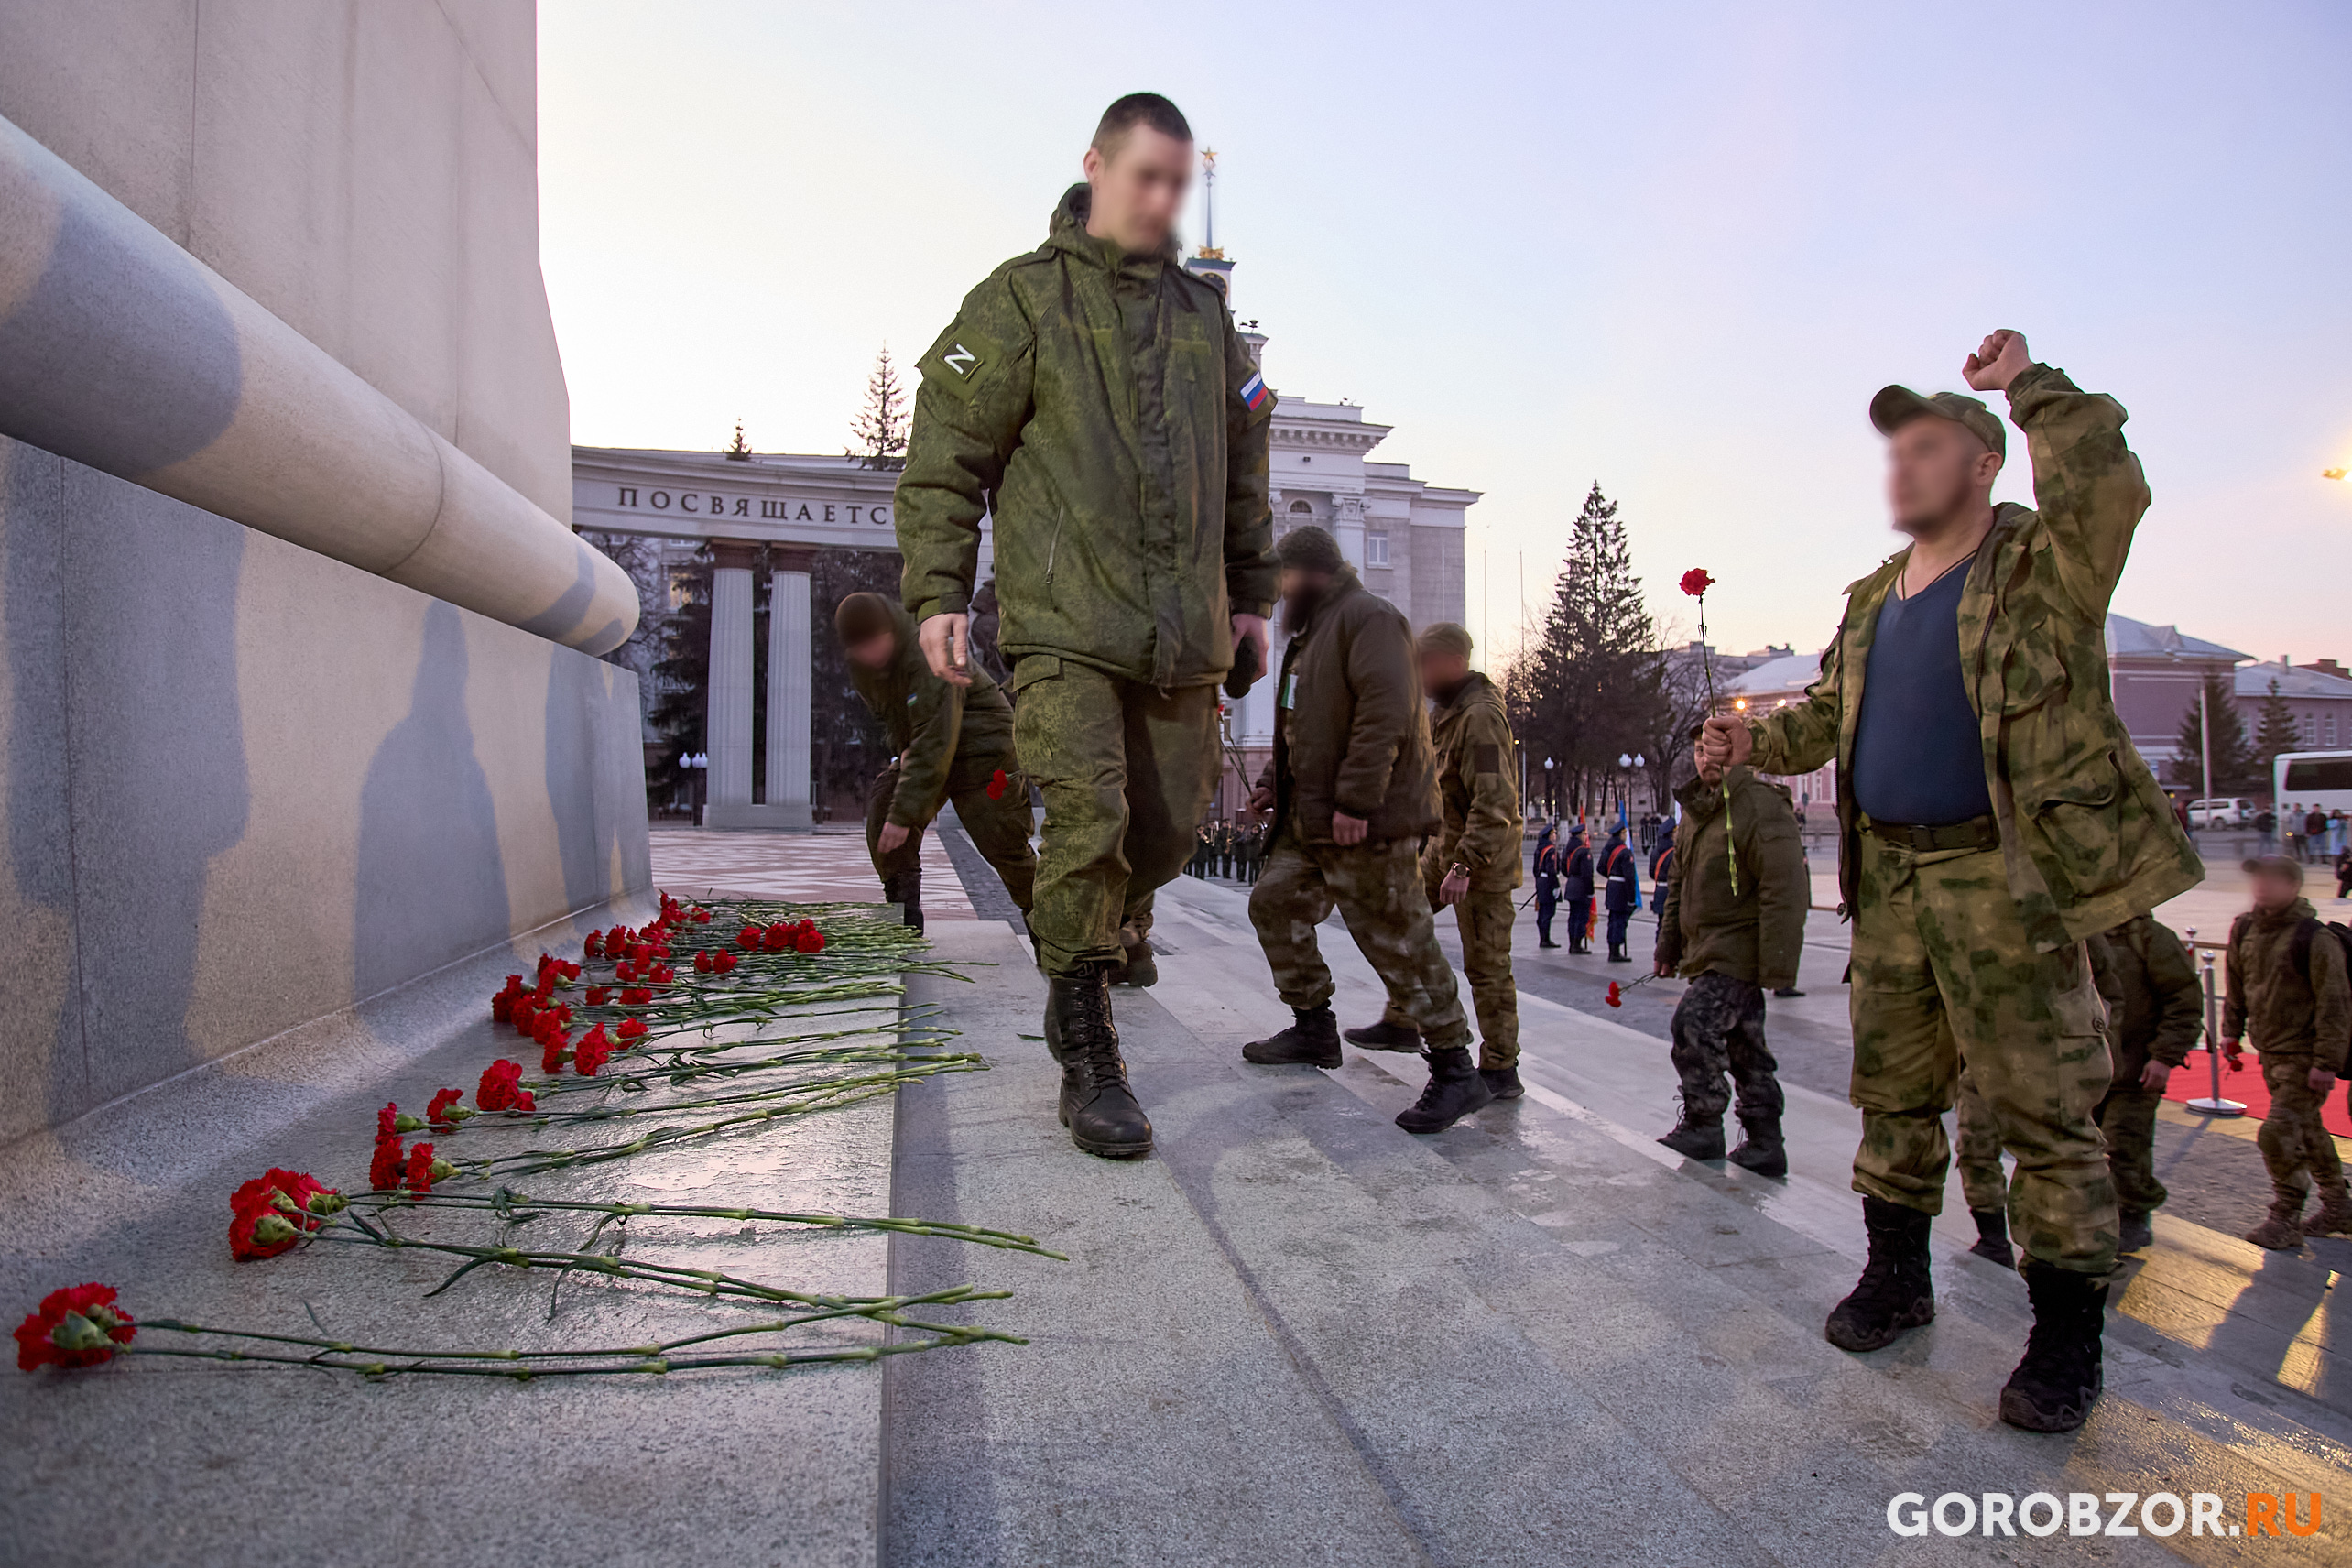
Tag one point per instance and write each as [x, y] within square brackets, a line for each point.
[1457, 869]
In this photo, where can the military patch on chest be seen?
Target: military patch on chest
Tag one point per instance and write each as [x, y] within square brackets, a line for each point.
[1486, 757]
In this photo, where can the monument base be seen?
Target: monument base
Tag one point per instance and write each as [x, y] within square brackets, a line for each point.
[788, 816]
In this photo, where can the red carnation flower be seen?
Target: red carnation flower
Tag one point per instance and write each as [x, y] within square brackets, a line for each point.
[778, 938]
[78, 1326]
[703, 962]
[811, 939]
[387, 1120]
[723, 963]
[422, 1170]
[624, 970]
[439, 1112]
[1695, 581]
[524, 1015]
[502, 1006]
[633, 1028]
[596, 1047]
[1615, 997]
[553, 1051]
[749, 937]
[384, 1169]
[637, 996]
[501, 1086]
[255, 1233]
[571, 970]
[592, 945]
[996, 785]
[701, 917]
[595, 995]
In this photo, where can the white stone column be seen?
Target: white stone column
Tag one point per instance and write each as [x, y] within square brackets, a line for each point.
[1347, 526]
[727, 718]
[791, 663]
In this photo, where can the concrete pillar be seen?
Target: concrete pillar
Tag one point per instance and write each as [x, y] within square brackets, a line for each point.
[1347, 526]
[790, 660]
[727, 720]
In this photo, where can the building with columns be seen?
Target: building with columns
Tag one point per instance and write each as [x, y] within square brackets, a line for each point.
[794, 532]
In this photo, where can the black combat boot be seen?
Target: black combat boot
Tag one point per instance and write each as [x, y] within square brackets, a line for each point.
[1696, 1137]
[2132, 1231]
[905, 890]
[1385, 1036]
[1137, 966]
[1761, 1149]
[1312, 1039]
[1993, 1236]
[1503, 1083]
[1097, 1106]
[1617, 954]
[2060, 1378]
[1896, 1291]
[1454, 1091]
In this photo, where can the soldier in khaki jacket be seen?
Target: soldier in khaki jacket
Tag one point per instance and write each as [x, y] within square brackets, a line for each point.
[1732, 921]
[1993, 815]
[2287, 989]
[1473, 862]
[1352, 792]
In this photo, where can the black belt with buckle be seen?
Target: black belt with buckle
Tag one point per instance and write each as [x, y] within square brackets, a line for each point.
[1977, 832]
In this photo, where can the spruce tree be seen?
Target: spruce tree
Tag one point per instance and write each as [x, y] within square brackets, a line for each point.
[1594, 681]
[2275, 730]
[737, 449]
[880, 430]
[2236, 768]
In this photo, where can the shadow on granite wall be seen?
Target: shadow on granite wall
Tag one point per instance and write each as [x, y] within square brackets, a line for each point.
[585, 833]
[431, 883]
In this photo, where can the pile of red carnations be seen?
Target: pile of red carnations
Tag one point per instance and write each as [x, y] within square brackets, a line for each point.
[800, 936]
[78, 1326]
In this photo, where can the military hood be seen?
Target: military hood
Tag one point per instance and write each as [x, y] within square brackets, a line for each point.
[1066, 232]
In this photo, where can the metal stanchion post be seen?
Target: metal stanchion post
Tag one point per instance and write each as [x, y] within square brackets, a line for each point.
[2212, 1104]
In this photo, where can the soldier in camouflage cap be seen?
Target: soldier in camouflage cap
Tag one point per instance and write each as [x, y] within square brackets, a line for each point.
[951, 742]
[1473, 862]
[1351, 787]
[1098, 400]
[1993, 815]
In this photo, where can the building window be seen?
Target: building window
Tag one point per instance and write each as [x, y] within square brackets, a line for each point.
[2329, 729]
[1376, 549]
[1301, 510]
[2309, 729]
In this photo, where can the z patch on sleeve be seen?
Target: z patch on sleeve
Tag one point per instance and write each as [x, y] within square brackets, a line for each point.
[961, 360]
[1488, 756]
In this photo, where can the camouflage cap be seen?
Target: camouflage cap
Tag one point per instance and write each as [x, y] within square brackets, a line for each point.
[1446, 636]
[1310, 549]
[1895, 407]
[861, 616]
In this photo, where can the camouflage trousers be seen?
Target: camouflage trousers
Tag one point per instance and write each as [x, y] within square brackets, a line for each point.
[1126, 770]
[1945, 977]
[1719, 1031]
[1485, 921]
[2125, 1115]
[999, 831]
[1376, 887]
[2296, 1147]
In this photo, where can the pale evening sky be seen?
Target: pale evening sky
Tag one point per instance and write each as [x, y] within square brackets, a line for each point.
[1671, 248]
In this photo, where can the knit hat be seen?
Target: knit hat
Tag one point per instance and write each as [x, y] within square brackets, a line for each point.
[1310, 549]
[1446, 636]
[861, 618]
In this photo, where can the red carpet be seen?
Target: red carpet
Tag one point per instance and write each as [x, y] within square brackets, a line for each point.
[2193, 1081]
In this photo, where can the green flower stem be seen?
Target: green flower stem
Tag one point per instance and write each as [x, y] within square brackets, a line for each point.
[509, 1204]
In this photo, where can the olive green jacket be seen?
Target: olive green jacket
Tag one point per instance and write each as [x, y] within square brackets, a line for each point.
[1094, 403]
[947, 736]
[1477, 790]
[2155, 1003]
[1350, 731]
[2087, 837]
[2298, 1011]
[1750, 926]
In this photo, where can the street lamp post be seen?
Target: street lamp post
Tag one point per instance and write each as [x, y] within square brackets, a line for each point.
[2212, 1104]
[1551, 801]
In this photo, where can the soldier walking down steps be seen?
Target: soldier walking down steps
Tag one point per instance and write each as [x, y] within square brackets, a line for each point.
[2287, 989]
[1992, 815]
[1731, 921]
[1098, 398]
[952, 742]
[1350, 788]
[1472, 863]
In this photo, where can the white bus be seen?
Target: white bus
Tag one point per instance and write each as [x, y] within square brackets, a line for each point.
[2321, 780]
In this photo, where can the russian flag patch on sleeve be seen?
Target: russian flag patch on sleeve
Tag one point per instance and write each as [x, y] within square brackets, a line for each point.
[1254, 392]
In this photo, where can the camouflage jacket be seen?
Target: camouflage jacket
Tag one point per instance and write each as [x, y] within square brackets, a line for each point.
[1350, 732]
[2087, 838]
[946, 737]
[1477, 790]
[2287, 989]
[1105, 410]
[2155, 1003]
[1752, 926]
